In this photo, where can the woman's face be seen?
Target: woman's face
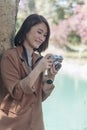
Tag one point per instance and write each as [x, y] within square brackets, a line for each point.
[37, 35]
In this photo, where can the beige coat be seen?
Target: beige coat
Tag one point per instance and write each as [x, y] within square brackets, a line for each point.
[20, 109]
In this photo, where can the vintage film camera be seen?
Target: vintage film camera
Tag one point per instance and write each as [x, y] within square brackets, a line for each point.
[57, 60]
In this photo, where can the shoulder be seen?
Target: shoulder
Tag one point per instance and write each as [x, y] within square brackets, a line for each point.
[13, 52]
[10, 60]
[10, 54]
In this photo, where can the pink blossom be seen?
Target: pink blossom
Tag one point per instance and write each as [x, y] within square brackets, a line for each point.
[77, 22]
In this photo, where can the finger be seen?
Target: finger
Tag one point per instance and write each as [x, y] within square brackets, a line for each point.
[50, 64]
[54, 69]
[48, 56]
[50, 60]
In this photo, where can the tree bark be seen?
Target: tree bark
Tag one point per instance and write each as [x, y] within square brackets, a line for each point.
[8, 16]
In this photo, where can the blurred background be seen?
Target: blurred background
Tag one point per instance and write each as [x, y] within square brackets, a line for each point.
[66, 108]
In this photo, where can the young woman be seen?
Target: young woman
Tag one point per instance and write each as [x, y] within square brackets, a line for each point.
[22, 71]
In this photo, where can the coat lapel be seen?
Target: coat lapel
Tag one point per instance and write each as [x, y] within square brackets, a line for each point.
[22, 60]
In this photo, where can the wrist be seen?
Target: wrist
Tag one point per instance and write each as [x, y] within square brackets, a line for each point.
[38, 67]
[51, 76]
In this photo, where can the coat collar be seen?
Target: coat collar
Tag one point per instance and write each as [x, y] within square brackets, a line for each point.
[20, 52]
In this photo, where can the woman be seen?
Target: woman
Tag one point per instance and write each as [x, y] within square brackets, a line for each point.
[22, 71]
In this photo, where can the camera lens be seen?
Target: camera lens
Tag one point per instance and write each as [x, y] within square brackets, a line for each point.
[57, 66]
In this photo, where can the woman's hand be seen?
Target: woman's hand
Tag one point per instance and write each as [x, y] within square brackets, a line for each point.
[52, 71]
[45, 63]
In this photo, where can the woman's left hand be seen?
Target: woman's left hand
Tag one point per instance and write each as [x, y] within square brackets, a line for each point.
[52, 71]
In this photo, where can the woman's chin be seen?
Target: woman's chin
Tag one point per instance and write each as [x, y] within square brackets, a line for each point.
[36, 47]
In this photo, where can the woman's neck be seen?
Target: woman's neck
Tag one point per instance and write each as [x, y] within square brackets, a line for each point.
[28, 48]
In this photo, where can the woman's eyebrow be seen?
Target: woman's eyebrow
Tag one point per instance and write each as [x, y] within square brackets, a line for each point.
[41, 30]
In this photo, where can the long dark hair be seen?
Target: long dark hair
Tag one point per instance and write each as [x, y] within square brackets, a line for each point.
[28, 23]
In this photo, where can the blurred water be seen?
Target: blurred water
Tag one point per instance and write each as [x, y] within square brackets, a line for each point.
[66, 108]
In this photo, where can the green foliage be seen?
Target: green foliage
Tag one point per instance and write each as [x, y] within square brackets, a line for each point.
[58, 16]
[32, 6]
[55, 10]
[61, 10]
[74, 38]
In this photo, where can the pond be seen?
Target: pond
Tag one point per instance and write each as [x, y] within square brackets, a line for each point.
[66, 108]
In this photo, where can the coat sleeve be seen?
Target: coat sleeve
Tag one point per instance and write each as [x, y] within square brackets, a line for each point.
[46, 89]
[10, 72]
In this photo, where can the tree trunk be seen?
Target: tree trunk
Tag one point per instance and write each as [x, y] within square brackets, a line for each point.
[8, 15]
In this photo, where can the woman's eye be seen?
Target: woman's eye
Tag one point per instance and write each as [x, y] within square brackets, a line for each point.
[45, 35]
[39, 32]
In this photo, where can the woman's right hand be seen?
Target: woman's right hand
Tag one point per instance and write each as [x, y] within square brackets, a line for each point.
[45, 63]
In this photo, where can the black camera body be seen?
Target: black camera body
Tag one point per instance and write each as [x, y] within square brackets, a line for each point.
[57, 60]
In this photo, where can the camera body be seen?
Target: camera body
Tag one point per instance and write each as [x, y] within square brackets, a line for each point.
[57, 60]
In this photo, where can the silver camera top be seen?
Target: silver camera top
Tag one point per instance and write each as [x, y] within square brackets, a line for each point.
[58, 58]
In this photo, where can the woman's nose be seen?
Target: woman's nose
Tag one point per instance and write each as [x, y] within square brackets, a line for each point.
[42, 38]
